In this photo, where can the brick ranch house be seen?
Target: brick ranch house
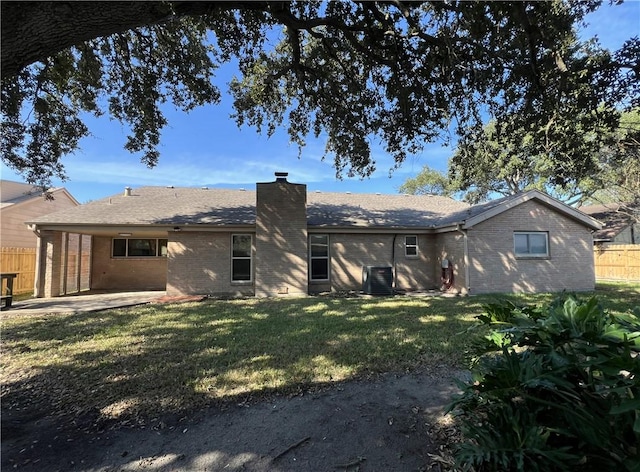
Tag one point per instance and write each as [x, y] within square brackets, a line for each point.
[282, 240]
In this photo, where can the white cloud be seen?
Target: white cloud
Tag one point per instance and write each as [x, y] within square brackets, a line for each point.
[194, 170]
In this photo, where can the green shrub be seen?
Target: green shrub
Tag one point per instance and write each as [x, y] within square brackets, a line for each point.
[554, 388]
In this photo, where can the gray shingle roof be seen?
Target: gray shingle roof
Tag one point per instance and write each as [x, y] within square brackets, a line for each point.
[463, 214]
[163, 205]
[196, 206]
[180, 206]
[374, 210]
[615, 217]
[12, 193]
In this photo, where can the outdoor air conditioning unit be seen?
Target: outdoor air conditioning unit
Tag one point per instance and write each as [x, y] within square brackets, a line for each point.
[377, 280]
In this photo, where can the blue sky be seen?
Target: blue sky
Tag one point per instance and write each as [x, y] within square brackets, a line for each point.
[206, 148]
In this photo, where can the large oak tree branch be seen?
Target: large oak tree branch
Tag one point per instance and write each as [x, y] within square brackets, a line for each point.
[33, 31]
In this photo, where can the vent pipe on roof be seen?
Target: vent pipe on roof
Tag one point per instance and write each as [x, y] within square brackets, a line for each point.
[281, 176]
[127, 191]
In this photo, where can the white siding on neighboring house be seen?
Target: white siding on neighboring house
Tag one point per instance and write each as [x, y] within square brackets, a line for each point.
[18, 208]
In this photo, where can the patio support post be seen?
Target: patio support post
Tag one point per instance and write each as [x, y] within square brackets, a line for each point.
[79, 264]
[49, 265]
[38, 282]
[65, 265]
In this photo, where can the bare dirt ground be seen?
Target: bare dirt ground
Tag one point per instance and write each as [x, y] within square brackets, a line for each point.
[388, 423]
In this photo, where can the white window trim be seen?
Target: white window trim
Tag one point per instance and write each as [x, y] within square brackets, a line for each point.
[528, 255]
[407, 246]
[327, 257]
[240, 282]
[126, 249]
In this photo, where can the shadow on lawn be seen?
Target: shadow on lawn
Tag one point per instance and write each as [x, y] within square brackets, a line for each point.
[146, 361]
[152, 365]
[143, 362]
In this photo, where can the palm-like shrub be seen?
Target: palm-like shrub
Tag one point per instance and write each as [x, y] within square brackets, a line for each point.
[554, 388]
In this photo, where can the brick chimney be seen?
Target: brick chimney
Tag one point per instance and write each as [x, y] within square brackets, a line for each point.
[281, 238]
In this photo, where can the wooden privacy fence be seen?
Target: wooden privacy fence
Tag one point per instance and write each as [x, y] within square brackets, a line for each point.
[617, 262]
[22, 261]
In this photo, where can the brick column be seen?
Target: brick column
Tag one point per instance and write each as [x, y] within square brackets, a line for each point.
[281, 239]
[49, 264]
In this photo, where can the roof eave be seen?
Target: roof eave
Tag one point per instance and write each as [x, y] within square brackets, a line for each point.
[369, 229]
[137, 228]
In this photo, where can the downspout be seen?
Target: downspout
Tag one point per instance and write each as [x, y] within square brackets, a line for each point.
[393, 260]
[37, 289]
[466, 258]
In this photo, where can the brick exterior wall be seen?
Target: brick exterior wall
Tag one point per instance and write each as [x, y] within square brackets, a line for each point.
[107, 273]
[416, 273]
[451, 246]
[281, 239]
[200, 263]
[495, 268]
[351, 252]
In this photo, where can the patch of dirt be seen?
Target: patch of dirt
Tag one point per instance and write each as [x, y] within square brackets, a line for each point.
[392, 422]
[179, 299]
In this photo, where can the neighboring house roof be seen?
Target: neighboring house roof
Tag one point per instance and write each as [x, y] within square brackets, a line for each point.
[196, 206]
[15, 193]
[614, 216]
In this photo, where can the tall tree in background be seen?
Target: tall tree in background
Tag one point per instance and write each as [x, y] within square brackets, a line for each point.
[618, 179]
[491, 167]
[430, 182]
[402, 73]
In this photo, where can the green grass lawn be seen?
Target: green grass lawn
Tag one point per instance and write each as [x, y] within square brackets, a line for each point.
[170, 358]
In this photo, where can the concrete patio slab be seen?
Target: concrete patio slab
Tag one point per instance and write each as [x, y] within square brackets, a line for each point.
[81, 303]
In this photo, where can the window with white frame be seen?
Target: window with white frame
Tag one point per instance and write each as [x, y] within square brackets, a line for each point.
[531, 243]
[241, 257]
[139, 247]
[319, 257]
[411, 246]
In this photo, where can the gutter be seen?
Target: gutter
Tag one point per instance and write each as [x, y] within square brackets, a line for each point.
[466, 258]
[393, 261]
[34, 227]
